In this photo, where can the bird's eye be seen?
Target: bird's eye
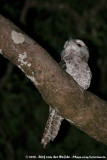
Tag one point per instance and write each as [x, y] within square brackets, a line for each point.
[79, 44]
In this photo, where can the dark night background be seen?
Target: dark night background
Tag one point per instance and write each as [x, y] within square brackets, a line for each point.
[23, 112]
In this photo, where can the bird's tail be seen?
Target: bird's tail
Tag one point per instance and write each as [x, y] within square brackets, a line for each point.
[52, 127]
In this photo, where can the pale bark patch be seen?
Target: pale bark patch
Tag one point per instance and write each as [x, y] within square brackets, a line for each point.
[17, 37]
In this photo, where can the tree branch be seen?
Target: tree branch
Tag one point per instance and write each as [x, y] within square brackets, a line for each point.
[82, 108]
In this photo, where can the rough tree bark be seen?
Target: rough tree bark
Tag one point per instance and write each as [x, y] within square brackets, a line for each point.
[83, 109]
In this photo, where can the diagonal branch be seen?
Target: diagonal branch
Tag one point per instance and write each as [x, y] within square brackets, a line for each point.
[82, 108]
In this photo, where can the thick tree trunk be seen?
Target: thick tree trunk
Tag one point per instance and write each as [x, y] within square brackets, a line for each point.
[82, 108]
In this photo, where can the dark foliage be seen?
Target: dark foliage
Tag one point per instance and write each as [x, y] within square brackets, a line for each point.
[23, 113]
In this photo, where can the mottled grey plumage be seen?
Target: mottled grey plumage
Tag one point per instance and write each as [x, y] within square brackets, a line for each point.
[52, 126]
[74, 59]
[75, 55]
